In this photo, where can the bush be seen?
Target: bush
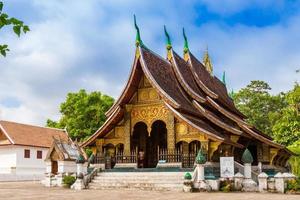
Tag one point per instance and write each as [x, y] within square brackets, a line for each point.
[226, 186]
[293, 185]
[69, 180]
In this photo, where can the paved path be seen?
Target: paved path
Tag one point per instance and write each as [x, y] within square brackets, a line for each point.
[32, 191]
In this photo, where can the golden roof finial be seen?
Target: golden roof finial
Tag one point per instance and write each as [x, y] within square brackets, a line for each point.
[207, 62]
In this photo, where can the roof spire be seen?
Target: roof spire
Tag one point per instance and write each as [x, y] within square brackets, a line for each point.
[138, 40]
[168, 43]
[224, 78]
[186, 46]
[168, 40]
[207, 62]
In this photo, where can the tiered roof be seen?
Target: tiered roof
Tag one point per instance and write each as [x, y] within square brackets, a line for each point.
[189, 90]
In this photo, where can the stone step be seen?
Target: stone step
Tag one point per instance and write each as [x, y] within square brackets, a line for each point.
[159, 187]
[136, 177]
[138, 181]
[141, 174]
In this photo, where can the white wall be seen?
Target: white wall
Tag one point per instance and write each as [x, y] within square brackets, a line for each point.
[8, 159]
[30, 165]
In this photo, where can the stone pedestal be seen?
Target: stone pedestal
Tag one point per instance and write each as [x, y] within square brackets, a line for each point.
[262, 182]
[187, 186]
[201, 184]
[279, 182]
[238, 180]
[47, 181]
[78, 185]
[248, 184]
[59, 179]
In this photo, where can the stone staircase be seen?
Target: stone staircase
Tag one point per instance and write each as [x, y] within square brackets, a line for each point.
[161, 181]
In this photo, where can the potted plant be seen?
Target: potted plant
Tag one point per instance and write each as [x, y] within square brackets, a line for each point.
[188, 183]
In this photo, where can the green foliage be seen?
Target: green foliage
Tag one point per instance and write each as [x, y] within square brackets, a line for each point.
[293, 185]
[17, 25]
[69, 180]
[88, 152]
[259, 106]
[294, 161]
[82, 113]
[187, 176]
[287, 128]
[226, 186]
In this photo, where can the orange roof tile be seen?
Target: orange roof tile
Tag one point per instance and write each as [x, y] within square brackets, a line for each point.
[29, 135]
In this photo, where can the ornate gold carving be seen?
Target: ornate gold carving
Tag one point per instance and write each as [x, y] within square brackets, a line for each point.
[265, 153]
[148, 114]
[213, 146]
[119, 132]
[113, 141]
[273, 154]
[127, 125]
[181, 128]
[171, 132]
[147, 94]
[234, 138]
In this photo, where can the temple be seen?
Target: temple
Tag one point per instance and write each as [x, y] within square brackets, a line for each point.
[172, 107]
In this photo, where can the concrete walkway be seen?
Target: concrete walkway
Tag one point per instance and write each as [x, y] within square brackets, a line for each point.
[32, 191]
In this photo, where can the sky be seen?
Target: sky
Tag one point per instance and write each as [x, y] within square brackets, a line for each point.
[90, 44]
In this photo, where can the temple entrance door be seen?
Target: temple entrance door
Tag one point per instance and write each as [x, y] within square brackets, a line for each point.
[54, 167]
[157, 139]
[139, 143]
[148, 144]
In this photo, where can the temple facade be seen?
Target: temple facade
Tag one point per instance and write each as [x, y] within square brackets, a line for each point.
[172, 107]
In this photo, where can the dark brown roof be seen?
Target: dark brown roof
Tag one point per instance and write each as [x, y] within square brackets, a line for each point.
[213, 84]
[29, 135]
[190, 92]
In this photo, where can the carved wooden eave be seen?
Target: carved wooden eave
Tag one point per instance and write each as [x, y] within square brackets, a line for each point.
[188, 87]
[261, 138]
[153, 82]
[208, 133]
[113, 119]
[198, 80]
[216, 121]
[228, 114]
[220, 93]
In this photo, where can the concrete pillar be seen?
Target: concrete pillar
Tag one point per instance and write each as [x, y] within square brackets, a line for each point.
[247, 170]
[262, 182]
[79, 168]
[279, 182]
[200, 172]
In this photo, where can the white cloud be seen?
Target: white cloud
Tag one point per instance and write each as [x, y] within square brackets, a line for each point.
[90, 44]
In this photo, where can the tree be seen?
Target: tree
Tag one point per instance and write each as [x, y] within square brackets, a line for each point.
[17, 25]
[287, 128]
[82, 113]
[259, 106]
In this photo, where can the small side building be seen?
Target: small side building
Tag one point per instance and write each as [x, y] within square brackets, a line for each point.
[23, 149]
[61, 160]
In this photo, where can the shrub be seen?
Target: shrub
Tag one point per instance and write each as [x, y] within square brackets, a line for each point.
[226, 186]
[69, 180]
[293, 185]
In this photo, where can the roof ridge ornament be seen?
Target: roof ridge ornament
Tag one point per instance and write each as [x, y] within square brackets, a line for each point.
[186, 46]
[168, 44]
[207, 62]
[138, 40]
[224, 78]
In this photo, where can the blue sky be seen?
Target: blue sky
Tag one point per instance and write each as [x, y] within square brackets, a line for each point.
[76, 44]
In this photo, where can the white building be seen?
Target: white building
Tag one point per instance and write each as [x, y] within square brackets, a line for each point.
[23, 149]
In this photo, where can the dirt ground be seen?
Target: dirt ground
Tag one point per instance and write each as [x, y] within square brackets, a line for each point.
[30, 190]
